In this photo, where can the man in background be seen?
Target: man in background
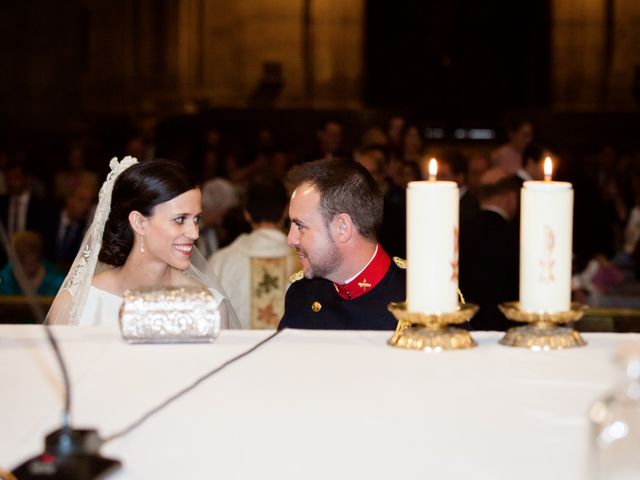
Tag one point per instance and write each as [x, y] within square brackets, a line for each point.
[70, 224]
[489, 250]
[21, 209]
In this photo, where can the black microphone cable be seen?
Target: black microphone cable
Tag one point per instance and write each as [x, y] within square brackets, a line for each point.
[38, 313]
[187, 389]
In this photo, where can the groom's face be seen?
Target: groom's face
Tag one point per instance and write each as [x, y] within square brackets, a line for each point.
[312, 239]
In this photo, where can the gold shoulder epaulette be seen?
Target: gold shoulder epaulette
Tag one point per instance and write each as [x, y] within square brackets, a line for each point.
[400, 262]
[296, 276]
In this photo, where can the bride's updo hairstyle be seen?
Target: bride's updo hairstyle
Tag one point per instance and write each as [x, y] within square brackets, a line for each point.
[140, 187]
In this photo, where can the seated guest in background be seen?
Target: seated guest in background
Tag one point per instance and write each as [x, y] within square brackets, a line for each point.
[70, 224]
[392, 233]
[219, 196]
[20, 209]
[280, 161]
[372, 137]
[43, 278]
[489, 252]
[254, 269]
[142, 235]
[135, 145]
[329, 142]
[395, 133]
[4, 161]
[412, 144]
[76, 174]
[532, 164]
[347, 279]
[206, 159]
[478, 164]
[509, 156]
[631, 247]
[453, 165]
[374, 159]
[410, 173]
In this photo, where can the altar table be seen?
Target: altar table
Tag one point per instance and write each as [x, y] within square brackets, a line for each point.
[311, 405]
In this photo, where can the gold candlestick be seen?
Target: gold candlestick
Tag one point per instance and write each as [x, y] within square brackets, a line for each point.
[544, 332]
[431, 331]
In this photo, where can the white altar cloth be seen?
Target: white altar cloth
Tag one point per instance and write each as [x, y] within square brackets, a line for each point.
[311, 404]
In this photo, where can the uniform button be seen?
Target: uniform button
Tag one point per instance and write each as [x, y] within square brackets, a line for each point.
[316, 307]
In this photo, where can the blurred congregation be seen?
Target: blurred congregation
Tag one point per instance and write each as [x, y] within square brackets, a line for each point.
[46, 210]
[163, 79]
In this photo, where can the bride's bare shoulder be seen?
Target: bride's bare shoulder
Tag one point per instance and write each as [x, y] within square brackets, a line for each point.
[105, 280]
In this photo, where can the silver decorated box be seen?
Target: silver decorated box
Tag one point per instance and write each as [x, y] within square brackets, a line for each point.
[168, 315]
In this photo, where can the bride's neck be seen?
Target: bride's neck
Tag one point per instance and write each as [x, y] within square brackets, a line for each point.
[140, 272]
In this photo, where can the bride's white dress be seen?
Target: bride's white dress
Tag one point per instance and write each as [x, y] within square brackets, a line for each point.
[102, 308]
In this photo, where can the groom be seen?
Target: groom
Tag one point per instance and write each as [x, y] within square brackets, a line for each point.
[347, 279]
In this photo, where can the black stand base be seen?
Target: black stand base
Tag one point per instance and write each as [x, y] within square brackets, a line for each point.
[71, 454]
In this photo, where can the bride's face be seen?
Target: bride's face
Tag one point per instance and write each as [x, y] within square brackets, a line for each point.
[172, 229]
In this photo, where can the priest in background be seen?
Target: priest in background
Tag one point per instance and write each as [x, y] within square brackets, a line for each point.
[254, 269]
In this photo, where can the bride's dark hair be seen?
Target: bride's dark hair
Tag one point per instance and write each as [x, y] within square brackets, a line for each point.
[140, 187]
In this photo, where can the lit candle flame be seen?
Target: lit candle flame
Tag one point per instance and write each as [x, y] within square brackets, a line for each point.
[548, 169]
[433, 169]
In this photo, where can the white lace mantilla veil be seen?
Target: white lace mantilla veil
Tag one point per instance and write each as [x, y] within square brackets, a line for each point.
[69, 303]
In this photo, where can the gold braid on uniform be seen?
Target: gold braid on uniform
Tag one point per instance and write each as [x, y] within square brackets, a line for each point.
[296, 276]
[400, 262]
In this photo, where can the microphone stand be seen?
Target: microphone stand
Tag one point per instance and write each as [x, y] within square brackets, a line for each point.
[68, 453]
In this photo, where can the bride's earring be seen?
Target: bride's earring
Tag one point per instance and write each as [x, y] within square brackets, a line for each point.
[142, 243]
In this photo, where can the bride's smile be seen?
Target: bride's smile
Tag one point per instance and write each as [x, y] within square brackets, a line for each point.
[172, 229]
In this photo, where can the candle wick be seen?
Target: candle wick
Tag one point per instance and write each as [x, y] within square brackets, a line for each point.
[432, 178]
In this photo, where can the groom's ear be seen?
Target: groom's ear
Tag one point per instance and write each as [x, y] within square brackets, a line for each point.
[137, 221]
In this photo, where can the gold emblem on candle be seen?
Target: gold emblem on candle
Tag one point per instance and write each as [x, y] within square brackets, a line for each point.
[547, 263]
[455, 262]
[364, 284]
[316, 307]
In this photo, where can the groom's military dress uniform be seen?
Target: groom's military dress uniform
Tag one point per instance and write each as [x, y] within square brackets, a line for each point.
[361, 304]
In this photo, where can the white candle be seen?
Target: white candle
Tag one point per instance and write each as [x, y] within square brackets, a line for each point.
[546, 245]
[432, 245]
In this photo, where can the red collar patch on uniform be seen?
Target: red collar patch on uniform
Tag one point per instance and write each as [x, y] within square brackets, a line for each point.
[368, 278]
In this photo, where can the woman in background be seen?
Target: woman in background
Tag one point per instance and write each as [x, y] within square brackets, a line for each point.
[43, 277]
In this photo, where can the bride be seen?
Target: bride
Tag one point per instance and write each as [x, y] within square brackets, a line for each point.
[142, 235]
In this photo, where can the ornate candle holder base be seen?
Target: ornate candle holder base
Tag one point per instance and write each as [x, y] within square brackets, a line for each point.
[431, 332]
[544, 333]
